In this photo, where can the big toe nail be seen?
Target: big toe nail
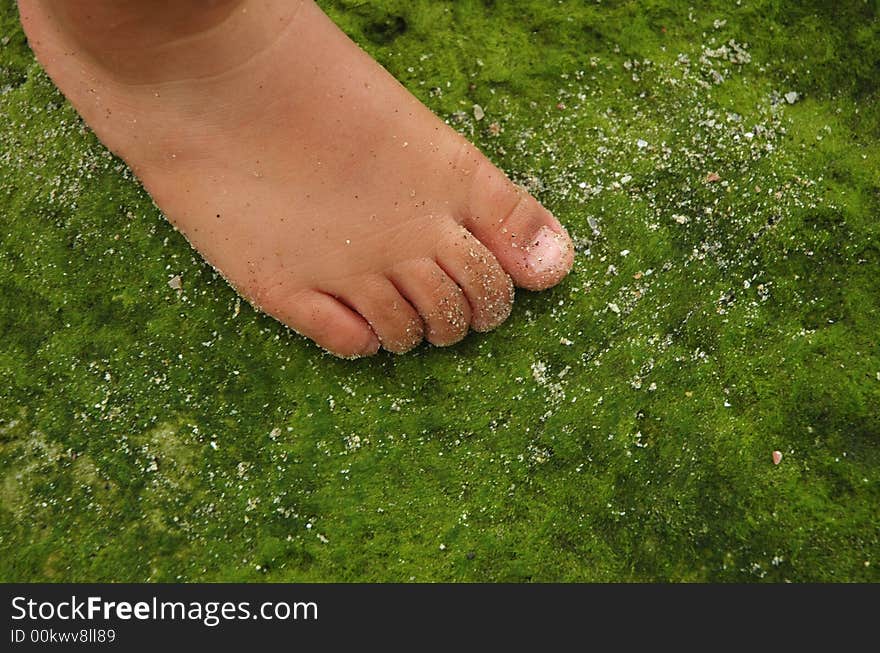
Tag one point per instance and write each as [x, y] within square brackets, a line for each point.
[548, 257]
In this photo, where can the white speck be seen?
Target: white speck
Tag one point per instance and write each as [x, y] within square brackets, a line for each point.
[479, 114]
[175, 282]
[624, 252]
[569, 343]
[680, 219]
[614, 308]
[213, 445]
[323, 539]
[442, 547]
[626, 179]
[641, 144]
[791, 97]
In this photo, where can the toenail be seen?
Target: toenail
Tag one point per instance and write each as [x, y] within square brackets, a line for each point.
[546, 251]
[371, 347]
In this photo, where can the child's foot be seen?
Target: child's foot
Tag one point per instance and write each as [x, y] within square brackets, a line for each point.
[322, 190]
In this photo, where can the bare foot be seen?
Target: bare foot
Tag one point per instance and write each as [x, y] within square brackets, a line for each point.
[327, 194]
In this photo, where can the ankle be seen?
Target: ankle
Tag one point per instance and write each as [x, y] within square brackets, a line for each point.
[152, 41]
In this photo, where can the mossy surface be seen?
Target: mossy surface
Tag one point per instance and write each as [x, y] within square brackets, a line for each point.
[719, 169]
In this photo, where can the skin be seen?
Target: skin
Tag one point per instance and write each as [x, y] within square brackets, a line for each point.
[322, 190]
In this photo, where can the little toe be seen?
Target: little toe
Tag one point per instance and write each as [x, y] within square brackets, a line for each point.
[439, 301]
[488, 288]
[392, 317]
[327, 321]
[531, 245]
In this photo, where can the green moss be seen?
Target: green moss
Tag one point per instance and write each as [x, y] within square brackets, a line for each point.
[618, 427]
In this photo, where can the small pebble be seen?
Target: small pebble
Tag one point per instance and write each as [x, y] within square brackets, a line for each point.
[777, 457]
[479, 114]
[175, 282]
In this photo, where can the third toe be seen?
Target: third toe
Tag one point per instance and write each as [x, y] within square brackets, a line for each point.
[439, 301]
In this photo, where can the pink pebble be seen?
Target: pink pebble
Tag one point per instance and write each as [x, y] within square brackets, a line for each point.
[777, 457]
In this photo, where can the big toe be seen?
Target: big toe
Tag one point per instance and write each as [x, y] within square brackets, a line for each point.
[529, 242]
